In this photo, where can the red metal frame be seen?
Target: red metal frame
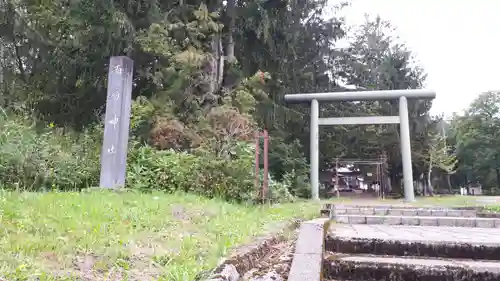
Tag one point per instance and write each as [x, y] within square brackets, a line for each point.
[264, 191]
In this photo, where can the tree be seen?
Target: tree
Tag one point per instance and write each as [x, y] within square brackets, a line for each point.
[477, 137]
[191, 58]
[439, 157]
[195, 58]
[375, 60]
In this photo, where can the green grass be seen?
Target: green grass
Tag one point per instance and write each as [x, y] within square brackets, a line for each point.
[102, 235]
[495, 208]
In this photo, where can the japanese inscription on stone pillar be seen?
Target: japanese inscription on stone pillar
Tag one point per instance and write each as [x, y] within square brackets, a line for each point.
[117, 122]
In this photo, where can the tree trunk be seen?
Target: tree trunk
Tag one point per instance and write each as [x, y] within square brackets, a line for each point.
[429, 178]
[230, 12]
[448, 180]
[498, 177]
[385, 174]
[430, 190]
[216, 65]
[422, 181]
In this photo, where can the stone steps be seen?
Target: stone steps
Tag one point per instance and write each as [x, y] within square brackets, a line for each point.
[393, 207]
[421, 212]
[375, 268]
[372, 243]
[439, 249]
[419, 220]
[443, 242]
[330, 210]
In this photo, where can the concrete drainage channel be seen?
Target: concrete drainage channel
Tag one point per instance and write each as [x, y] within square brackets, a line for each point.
[268, 258]
[371, 243]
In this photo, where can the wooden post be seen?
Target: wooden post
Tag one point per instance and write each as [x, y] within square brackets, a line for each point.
[257, 148]
[383, 183]
[265, 188]
[379, 180]
[337, 186]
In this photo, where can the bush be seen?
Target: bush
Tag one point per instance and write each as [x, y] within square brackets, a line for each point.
[168, 170]
[297, 183]
[288, 165]
[279, 192]
[45, 160]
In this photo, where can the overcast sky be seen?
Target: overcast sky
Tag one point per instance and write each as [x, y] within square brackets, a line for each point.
[456, 42]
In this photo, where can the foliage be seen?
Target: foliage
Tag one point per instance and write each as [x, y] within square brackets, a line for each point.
[375, 60]
[46, 160]
[226, 127]
[279, 192]
[205, 174]
[494, 208]
[207, 74]
[477, 141]
[297, 183]
[440, 156]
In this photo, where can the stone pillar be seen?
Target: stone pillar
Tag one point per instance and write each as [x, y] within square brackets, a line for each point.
[314, 150]
[406, 149]
[117, 123]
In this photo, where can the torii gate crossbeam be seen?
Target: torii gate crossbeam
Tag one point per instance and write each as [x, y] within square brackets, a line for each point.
[402, 119]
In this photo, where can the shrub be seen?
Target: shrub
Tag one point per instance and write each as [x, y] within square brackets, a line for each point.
[279, 192]
[168, 170]
[297, 183]
[45, 160]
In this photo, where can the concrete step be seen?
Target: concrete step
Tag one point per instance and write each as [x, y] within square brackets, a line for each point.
[421, 212]
[412, 248]
[419, 220]
[390, 268]
[423, 241]
[330, 210]
[396, 206]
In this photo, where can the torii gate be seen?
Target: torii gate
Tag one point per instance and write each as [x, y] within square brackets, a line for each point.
[402, 120]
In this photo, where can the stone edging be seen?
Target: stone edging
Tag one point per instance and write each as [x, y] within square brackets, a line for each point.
[246, 257]
[309, 249]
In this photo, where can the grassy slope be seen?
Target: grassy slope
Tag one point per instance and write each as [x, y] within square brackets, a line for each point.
[101, 235]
